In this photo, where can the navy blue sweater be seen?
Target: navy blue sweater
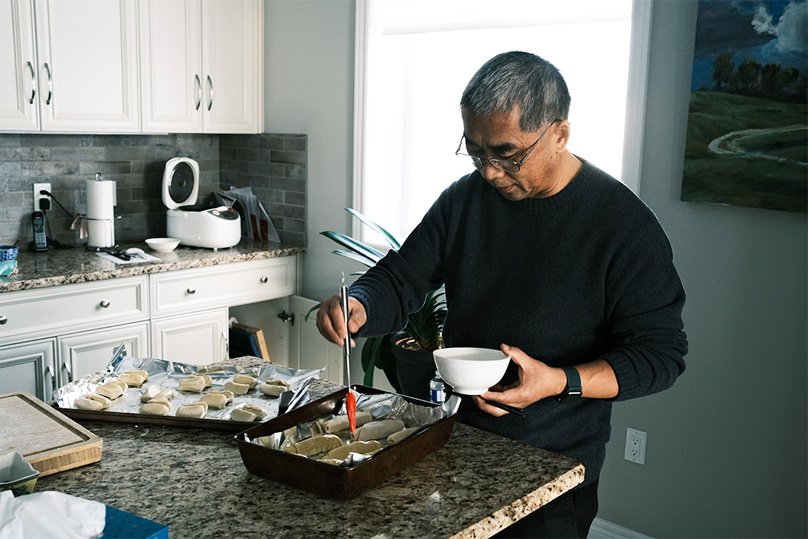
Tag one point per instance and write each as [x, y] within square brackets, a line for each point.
[585, 274]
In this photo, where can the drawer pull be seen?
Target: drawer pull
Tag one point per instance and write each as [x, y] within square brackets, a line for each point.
[3, 320]
[264, 279]
[191, 291]
[104, 304]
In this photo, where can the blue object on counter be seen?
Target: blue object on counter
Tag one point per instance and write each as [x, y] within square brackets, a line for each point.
[120, 524]
[7, 267]
[8, 252]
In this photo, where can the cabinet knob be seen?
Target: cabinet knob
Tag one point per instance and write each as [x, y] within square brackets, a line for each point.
[191, 291]
[264, 279]
[104, 304]
[3, 320]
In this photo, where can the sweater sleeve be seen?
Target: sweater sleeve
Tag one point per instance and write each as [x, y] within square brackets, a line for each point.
[645, 298]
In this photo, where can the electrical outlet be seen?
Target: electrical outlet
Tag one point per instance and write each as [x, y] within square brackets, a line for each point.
[635, 445]
[38, 187]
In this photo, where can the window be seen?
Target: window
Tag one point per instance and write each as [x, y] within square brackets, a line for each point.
[414, 58]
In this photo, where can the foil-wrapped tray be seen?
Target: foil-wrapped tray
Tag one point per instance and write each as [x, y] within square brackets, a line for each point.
[167, 374]
[351, 479]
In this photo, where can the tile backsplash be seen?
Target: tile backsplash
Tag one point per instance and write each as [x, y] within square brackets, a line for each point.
[273, 165]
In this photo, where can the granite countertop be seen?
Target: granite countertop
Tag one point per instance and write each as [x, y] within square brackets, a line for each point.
[78, 265]
[194, 481]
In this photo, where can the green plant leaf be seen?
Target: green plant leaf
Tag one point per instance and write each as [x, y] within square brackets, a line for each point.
[389, 238]
[362, 259]
[354, 245]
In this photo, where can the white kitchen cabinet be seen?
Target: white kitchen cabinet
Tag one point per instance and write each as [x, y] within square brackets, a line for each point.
[88, 65]
[19, 105]
[29, 366]
[197, 339]
[201, 66]
[69, 66]
[90, 351]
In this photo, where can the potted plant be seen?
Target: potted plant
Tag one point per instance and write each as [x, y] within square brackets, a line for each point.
[406, 356]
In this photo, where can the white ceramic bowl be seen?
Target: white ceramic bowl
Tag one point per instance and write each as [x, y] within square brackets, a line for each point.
[471, 371]
[163, 245]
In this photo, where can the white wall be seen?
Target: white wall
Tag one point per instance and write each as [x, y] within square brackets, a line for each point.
[727, 444]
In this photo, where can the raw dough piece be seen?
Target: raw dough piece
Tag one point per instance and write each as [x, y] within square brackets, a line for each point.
[155, 407]
[110, 390]
[365, 447]
[401, 435]
[245, 379]
[192, 383]
[215, 401]
[194, 409]
[226, 393]
[317, 444]
[340, 422]
[92, 402]
[248, 412]
[237, 388]
[131, 379]
[208, 380]
[274, 388]
[150, 393]
[142, 373]
[376, 430]
[165, 395]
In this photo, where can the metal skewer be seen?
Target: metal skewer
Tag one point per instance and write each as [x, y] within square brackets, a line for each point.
[346, 348]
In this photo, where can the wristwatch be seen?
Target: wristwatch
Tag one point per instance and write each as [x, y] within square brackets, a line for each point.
[573, 391]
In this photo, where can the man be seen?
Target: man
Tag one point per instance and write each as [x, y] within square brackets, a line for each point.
[547, 258]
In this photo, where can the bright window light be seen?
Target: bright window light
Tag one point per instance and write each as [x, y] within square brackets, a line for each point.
[419, 56]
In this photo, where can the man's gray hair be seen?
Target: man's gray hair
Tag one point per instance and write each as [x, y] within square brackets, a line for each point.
[518, 80]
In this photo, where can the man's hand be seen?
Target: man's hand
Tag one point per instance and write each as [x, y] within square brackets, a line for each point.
[331, 320]
[536, 381]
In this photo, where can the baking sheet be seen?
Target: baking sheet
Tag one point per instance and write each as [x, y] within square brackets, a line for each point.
[167, 374]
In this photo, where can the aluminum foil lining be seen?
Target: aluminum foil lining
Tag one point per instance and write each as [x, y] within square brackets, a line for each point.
[167, 374]
[380, 406]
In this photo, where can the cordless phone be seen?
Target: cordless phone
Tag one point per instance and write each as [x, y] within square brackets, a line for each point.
[38, 223]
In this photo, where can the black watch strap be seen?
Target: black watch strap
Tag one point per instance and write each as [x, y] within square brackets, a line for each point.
[573, 391]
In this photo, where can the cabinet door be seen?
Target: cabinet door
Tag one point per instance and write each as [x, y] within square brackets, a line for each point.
[87, 51]
[171, 65]
[28, 367]
[19, 109]
[90, 351]
[197, 339]
[232, 61]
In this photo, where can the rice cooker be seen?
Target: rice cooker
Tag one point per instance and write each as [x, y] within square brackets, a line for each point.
[195, 225]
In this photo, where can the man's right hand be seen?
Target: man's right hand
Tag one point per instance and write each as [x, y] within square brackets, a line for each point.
[331, 321]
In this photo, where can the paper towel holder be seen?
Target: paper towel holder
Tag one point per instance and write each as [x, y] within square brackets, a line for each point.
[100, 225]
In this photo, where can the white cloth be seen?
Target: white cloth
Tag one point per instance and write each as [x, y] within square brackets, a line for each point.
[50, 514]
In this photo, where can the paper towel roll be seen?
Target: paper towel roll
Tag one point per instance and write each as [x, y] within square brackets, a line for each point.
[100, 233]
[100, 199]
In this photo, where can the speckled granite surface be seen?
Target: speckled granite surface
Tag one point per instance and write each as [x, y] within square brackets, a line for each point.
[78, 265]
[194, 481]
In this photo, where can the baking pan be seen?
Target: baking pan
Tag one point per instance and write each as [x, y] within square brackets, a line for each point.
[327, 479]
[147, 419]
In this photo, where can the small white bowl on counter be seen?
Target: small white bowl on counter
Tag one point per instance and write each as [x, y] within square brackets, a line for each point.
[163, 245]
[471, 371]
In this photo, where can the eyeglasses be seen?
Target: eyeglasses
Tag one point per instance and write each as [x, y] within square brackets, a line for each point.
[508, 165]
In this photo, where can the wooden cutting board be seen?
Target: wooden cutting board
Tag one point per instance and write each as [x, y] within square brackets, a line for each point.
[47, 439]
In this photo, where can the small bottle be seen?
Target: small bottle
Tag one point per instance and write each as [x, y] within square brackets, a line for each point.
[437, 393]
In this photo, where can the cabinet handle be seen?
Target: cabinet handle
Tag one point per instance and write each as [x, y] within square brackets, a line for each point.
[264, 279]
[210, 93]
[104, 304]
[191, 291]
[33, 84]
[50, 84]
[198, 91]
[66, 368]
[3, 320]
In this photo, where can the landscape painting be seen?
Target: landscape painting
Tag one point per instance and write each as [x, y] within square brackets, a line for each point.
[747, 130]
